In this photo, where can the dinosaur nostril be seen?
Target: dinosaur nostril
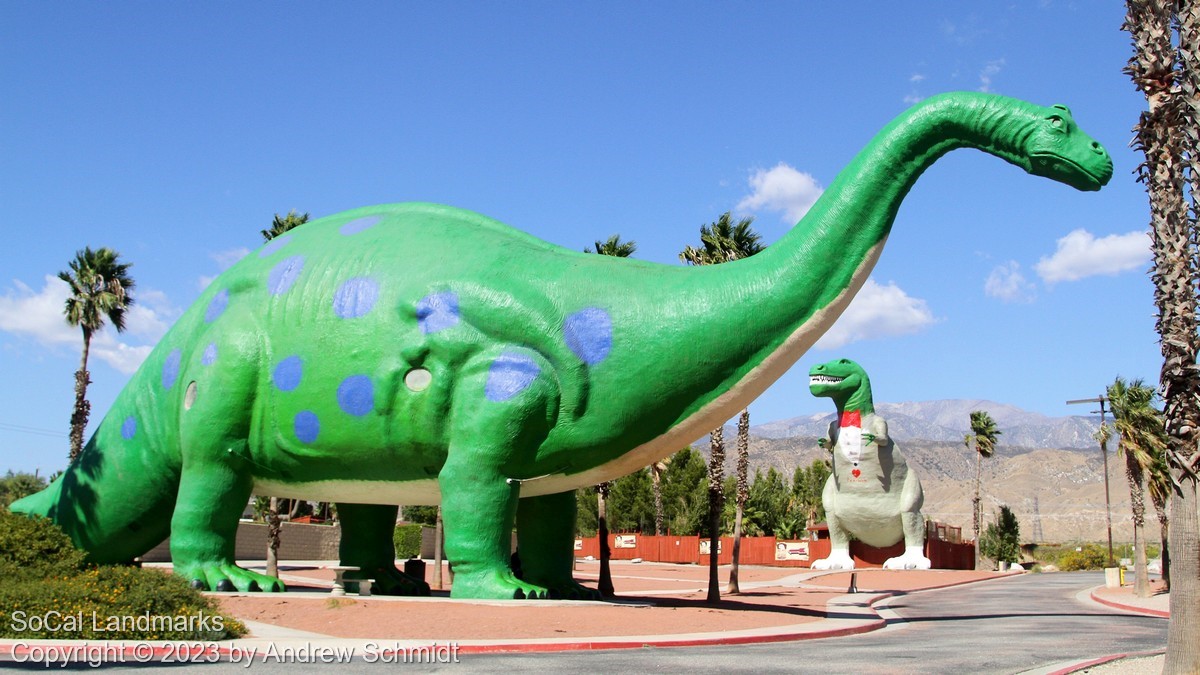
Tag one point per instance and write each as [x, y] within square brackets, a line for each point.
[1097, 148]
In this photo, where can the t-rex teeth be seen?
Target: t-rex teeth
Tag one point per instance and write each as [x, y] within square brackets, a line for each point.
[824, 379]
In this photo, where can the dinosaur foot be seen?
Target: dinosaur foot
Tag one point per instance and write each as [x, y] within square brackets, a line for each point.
[570, 590]
[229, 578]
[837, 560]
[391, 581]
[496, 585]
[911, 560]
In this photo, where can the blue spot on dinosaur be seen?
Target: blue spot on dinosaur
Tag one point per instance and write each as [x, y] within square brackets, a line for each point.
[216, 306]
[588, 333]
[356, 395]
[129, 428]
[287, 373]
[170, 369]
[274, 245]
[436, 312]
[358, 225]
[510, 374]
[284, 274]
[307, 426]
[355, 297]
[210, 354]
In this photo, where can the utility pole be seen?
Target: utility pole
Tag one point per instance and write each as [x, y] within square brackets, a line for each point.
[1104, 452]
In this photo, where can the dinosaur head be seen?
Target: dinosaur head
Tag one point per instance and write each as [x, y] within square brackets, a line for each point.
[844, 381]
[1056, 148]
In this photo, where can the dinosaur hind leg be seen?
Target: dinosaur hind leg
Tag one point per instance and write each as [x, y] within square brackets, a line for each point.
[367, 544]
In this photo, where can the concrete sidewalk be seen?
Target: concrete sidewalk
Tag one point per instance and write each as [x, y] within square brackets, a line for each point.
[657, 604]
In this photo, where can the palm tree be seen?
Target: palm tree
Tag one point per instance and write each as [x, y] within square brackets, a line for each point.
[1139, 431]
[656, 472]
[614, 247]
[721, 242]
[100, 286]
[983, 434]
[1158, 484]
[1165, 66]
[281, 225]
[274, 522]
[619, 249]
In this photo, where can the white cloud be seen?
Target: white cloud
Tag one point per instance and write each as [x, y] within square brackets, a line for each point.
[877, 311]
[1080, 254]
[916, 77]
[782, 188]
[1007, 283]
[224, 259]
[989, 71]
[38, 315]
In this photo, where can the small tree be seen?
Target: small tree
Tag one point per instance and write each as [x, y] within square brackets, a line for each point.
[1002, 540]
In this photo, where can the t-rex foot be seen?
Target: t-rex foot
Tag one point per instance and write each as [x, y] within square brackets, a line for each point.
[913, 559]
[837, 560]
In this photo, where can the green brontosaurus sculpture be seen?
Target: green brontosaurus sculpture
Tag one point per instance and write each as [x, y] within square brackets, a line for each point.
[871, 495]
[420, 354]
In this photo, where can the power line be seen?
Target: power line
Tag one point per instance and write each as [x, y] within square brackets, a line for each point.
[34, 431]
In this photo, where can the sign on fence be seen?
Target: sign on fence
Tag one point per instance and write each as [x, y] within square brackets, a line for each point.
[791, 550]
[625, 541]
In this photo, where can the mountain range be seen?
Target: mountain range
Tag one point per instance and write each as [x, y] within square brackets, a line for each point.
[1048, 470]
[949, 421]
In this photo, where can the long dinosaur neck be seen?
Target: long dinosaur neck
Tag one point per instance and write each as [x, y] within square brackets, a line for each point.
[783, 299]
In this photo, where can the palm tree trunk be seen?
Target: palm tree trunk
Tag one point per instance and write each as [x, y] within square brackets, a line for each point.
[83, 408]
[273, 527]
[656, 483]
[716, 486]
[743, 468]
[1164, 555]
[605, 585]
[975, 515]
[1137, 504]
[437, 551]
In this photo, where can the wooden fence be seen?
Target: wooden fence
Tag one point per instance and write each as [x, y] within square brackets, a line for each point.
[767, 551]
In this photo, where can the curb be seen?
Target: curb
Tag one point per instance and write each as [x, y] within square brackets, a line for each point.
[1145, 611]
[1075, 668]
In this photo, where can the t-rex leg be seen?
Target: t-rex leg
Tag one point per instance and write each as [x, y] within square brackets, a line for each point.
[502, 412]
[911, 499]
[546, 538]
[366, 543]
[839, 539]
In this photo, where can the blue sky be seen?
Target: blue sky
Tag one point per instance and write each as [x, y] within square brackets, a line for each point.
[172, 132]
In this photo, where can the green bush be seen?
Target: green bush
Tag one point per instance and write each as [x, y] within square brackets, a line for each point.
[1089, 557]
[49, 593]
[407, 539]
[1002, 539]
[34, 547]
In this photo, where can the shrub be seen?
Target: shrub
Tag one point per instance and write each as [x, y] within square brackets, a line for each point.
[1002, 539]
[34, 547]
[49, 593]
[1089, 557]
[407, 539]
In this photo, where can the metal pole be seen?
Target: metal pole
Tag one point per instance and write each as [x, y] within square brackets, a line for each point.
[1107, 500]
[1104, 453]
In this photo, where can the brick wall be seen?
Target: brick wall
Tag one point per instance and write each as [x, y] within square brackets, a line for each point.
[297, 541]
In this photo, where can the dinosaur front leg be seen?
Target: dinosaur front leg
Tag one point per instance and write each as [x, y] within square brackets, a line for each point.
[212, 496]
[546, 540]
[366, 543]
[502, 413]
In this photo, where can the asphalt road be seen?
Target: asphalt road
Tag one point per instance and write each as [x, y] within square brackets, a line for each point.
[1013, 625]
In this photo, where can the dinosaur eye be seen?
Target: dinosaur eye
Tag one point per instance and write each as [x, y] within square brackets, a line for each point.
[1057, 122]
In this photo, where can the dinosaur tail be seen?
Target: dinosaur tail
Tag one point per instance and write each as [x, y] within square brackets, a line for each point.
[115, 501]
